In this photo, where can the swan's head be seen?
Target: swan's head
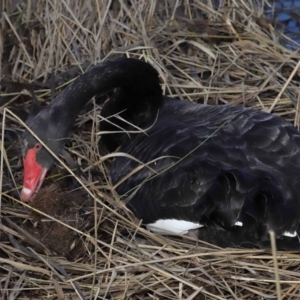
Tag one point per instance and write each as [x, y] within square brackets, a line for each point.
[37, 160]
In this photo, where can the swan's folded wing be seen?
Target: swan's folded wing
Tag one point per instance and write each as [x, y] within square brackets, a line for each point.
[248, 168]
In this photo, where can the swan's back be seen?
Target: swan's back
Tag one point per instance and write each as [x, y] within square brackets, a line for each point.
[220, 166]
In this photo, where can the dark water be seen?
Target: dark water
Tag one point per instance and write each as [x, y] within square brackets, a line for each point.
[287, 16]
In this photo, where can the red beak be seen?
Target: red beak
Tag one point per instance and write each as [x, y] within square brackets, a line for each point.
[34, 175]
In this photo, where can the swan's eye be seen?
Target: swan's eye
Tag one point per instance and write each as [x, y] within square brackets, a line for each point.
[37, 146]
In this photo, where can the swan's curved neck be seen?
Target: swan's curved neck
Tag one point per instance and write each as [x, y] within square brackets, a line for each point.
[138, 94]
[137, 83]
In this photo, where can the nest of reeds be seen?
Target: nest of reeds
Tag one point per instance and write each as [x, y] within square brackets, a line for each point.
[76, 240]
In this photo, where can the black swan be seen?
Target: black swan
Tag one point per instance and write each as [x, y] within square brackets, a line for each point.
[234, 171]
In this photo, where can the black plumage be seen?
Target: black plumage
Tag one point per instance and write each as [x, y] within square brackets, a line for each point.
[231, 169]
[244, 167]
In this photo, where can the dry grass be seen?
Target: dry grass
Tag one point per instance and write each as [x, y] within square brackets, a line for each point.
[76, 243]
